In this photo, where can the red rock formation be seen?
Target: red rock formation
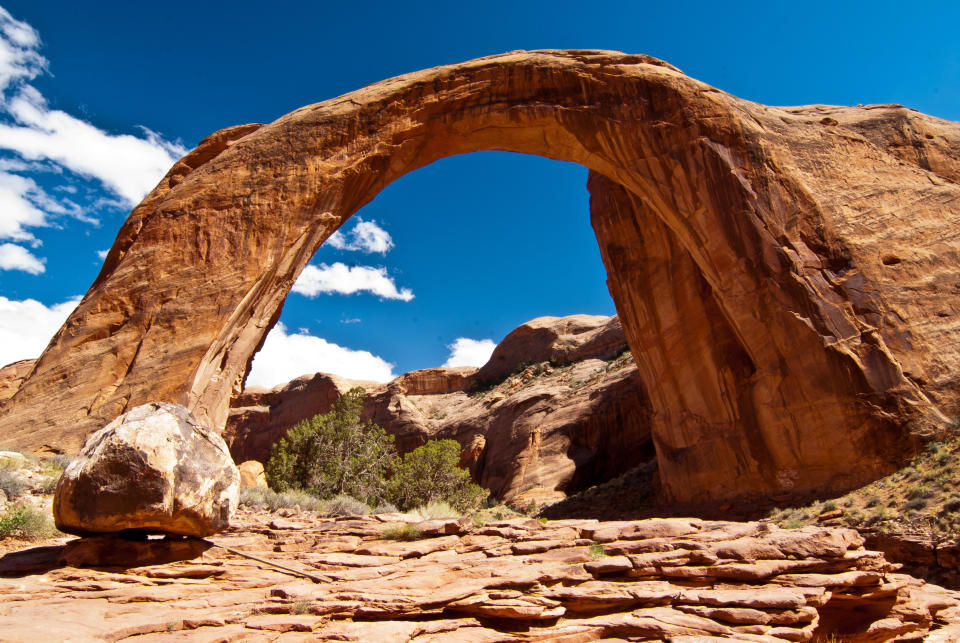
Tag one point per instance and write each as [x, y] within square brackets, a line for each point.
[12, 376]
[543, 432]
[785, 276]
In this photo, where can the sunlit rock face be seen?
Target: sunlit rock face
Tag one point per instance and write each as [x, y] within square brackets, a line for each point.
[153, 470]
[786, 277]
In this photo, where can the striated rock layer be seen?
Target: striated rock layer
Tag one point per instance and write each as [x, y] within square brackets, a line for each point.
[787, 277]
[558, 407]
[682, 580]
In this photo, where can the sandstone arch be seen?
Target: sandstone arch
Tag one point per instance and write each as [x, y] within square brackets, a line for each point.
[742, 243]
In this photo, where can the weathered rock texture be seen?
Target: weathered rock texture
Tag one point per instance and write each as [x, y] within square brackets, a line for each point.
[674, 580]
[558, 407]
[155, 470]
[12, 376]
[787, 277]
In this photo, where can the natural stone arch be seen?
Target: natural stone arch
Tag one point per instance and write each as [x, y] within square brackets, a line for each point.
[759, 319]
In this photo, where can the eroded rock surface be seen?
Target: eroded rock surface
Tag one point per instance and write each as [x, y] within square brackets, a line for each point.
[558, 407]
[515, 580]
[154, 470]
[786, 276]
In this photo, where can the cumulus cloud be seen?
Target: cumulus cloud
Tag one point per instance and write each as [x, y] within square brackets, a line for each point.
[34, 137]
[285, 356]
[366, 236]
[347, 280]
[27, 326]
[102, 254]
[469, 352]
[14, 257]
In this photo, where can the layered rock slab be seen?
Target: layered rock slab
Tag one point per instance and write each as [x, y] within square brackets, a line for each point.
[153, 470]
[806, 256]
[513, 580]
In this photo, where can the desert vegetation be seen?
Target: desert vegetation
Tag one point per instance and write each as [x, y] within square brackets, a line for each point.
[922, 498]
[337, 462]
[24, 481]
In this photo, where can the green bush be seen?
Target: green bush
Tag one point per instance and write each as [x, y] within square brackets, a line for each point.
[26, 523]
[430, 473]
[335, 453]
[338, 456]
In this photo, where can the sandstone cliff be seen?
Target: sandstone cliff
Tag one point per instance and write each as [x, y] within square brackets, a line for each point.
[558, 407]
[786, 276]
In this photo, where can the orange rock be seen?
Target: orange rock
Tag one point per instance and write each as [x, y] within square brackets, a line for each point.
[784, 276]
[251, 474]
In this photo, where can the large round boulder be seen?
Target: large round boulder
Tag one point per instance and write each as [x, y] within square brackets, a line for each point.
[154, 469]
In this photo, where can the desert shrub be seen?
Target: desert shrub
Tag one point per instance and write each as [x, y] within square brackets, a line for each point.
[401, 531]
[829, 505]
[430, 473]
[385, 508]
[26, 523]
[436, 510]
[915, 504]
[262, 497]
[344, 505]
[596, 551]
[11, 484]
[334, 453]
[48, 482]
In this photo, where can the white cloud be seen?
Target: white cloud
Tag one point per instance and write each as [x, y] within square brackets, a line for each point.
[19, 199]
[347, 280]
[14, 257]
[129, 166]
[37, 138]
[286, 356]
[469, 352]
[19, 59]
[27, 326]
[366, 236]
[102, 254]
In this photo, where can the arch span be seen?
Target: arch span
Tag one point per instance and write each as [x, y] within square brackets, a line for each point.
[760, 320]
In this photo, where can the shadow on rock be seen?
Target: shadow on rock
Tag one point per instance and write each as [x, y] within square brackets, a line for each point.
[103, 551]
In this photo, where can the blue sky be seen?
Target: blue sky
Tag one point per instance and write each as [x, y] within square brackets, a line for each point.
[99, 98]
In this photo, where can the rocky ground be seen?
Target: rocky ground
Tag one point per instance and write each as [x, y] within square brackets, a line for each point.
[378, 579]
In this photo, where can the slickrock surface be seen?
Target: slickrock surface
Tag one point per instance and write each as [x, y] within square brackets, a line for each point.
[572, 412]
[516, 580]
[786, 276]
[153, 469]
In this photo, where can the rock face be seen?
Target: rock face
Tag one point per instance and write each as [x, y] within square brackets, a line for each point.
[558, 407]
[12, 376]
[786, 277]
[155, 470]
[681, 580]
[251, 474]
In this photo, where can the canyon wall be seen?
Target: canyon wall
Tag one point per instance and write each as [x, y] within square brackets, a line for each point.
[787, 277]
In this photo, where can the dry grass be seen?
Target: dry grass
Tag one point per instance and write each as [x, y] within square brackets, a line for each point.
[923, 498]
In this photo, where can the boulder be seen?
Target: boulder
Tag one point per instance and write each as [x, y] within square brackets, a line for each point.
[154, 469]
[251, 474]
